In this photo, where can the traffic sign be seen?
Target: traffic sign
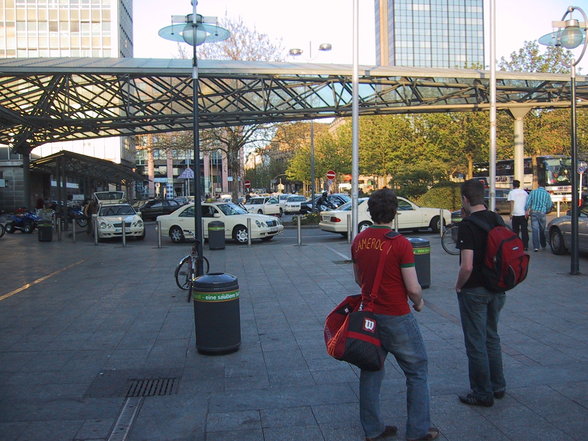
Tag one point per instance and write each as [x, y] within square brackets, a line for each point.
[331, 175]
[247, 184]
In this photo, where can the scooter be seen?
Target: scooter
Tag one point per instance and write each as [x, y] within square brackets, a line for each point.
[25, 222]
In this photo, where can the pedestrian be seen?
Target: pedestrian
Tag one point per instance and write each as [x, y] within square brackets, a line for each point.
[399, 330]
[538, 204]
[518, 216]
[479, 307]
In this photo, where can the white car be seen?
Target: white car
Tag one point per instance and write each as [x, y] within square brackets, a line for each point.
[110, 221]
[282, 198]
[293, 204]
[409, 216]
[179, 225]
[263, 205]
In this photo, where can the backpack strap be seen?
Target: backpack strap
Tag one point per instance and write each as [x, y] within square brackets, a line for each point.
[380, 270]
[481, 223]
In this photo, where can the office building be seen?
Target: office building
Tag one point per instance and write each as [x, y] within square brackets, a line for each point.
[430, 33]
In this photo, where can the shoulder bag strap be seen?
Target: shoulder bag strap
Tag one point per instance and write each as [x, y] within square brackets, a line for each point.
[379, 274]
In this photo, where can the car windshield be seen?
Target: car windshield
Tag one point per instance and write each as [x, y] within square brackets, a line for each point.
[116, 210]
[347, 206]
[230, 209]
[296, 199]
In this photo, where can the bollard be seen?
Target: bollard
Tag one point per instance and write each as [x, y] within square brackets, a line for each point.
[73, 230]
[58, 229]
[158, 234]
[441, 222]
[124, 232]
[298, 230]
[349, 228]
[396, 222]
[248, 231]
[95, 228]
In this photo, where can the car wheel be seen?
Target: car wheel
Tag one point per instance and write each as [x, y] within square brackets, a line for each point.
[435, 224]
[240, 234]
[259, 211]
[28, 228]
[556, 241]
[363, 225]
[9, 227]
[176, 234]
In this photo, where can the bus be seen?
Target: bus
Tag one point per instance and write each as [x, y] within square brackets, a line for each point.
[553, 173]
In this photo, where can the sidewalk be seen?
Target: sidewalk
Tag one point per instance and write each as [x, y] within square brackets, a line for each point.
[97, 316]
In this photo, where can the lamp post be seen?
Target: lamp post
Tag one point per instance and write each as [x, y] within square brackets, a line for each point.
[570, 35]
[324, 47]
[195, 30]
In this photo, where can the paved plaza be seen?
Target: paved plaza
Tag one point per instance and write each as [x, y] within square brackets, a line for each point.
[79, 321]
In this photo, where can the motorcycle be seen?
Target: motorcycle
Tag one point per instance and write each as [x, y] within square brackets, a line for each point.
[77, 214]
[23, 221]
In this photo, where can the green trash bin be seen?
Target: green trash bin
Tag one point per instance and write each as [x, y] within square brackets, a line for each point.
[216, 313]
[216, 235]
[421, 249]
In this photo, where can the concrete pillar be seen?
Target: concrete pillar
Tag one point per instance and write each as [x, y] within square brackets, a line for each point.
[519, 142]
[26, 181]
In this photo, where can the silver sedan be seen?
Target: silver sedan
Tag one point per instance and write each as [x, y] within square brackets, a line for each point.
[559, 232]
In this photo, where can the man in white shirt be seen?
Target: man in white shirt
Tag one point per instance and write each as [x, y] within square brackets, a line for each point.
[518, 216]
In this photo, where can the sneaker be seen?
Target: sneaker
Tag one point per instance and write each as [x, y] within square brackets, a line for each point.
[388, 432]
[499, 395]
[431, 435]
[474, 401]
[536, 249]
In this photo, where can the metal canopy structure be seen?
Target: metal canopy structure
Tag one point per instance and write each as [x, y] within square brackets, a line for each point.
[84, 167]
[58, 99]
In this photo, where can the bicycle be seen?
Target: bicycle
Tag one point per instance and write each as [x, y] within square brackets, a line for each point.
[449, 239]
[187, 270]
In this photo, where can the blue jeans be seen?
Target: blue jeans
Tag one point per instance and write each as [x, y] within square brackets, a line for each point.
[401, 337]
[538, 228]
[479, 310]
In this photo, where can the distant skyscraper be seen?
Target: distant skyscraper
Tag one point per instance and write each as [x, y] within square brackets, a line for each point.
[71, 28]
[430, 33]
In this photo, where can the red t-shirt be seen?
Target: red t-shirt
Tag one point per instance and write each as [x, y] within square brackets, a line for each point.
[365, 251]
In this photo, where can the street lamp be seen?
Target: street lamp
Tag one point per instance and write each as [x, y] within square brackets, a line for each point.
[195, 30]
[323, 47]
[570, 35]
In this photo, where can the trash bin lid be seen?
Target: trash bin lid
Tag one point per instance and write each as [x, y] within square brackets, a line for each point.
[214, 282]
[418, 242]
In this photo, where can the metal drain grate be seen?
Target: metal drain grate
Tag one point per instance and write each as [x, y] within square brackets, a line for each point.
[150, 387]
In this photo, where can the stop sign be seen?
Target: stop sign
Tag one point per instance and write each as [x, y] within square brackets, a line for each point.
[331, 175]
[247, 184]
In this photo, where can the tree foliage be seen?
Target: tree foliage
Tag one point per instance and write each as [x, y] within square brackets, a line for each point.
[530, 59]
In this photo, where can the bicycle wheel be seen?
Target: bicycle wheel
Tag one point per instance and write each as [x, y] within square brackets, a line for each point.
[183, 273]
[449, 240]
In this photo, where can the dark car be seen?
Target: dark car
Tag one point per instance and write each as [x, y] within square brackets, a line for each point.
[157, 207]
[334, 201]
[502, 203]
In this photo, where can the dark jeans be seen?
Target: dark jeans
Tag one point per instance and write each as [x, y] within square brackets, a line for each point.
[520, 226]
[479, 309]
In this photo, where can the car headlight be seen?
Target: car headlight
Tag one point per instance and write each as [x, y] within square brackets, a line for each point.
[104, 225]
[138, 223]
[259, 223]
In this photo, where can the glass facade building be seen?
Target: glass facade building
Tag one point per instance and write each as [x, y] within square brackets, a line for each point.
[430, 33]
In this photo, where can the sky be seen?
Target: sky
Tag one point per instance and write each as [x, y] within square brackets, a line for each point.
[305, 23]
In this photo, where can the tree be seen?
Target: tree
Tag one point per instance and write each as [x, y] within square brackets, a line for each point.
[248, 45]
[530, 59]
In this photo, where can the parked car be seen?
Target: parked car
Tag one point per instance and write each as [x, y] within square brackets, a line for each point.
[559, 232]
[292, 204]
[335, 200]
[111, 217]
[156, 207]
[109, 197]
[263, 205]
[502, 202]
[282, 198]
[410, 216]
[179, 225]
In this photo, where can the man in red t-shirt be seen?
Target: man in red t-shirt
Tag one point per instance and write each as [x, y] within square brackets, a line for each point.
[399, 330]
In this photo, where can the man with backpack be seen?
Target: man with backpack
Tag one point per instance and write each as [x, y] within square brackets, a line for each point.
[479, 307]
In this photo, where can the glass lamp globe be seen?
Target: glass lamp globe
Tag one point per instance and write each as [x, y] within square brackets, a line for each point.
[572, 36]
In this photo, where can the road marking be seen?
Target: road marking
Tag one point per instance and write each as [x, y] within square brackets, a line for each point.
[340, 254]
[35, 282]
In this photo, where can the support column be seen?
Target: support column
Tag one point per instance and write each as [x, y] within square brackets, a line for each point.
[519, 142]
[26, 181]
